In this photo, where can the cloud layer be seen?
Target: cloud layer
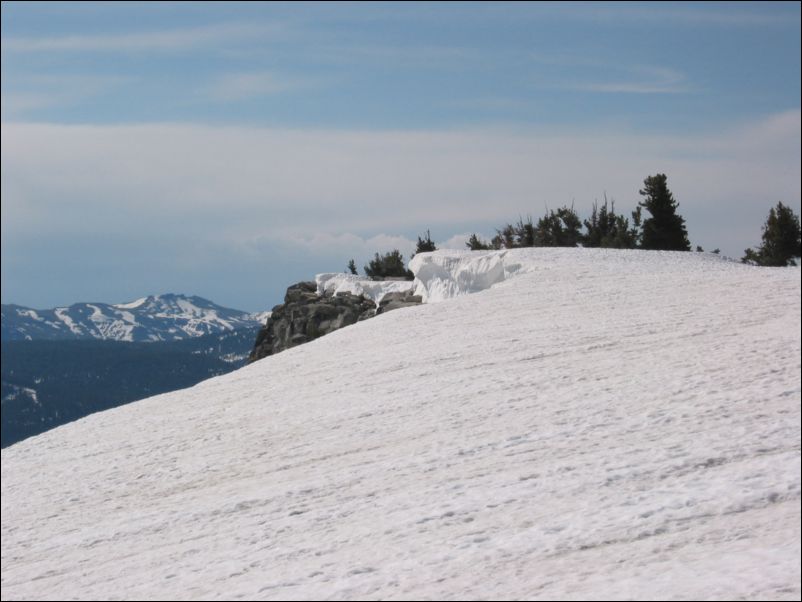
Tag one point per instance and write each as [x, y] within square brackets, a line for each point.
[208, 193]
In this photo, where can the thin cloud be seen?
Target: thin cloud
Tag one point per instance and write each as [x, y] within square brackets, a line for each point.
[342, 243]
[608, 76]
[37, 92]
[425, 56]
[148, 41]
[45, 91]
[246, 86]
[731, 16]
[653, 80]
[257, 182]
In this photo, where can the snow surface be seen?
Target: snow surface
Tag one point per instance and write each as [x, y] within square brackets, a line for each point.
[132, 304]
[446, 274]
[260, 316]
[30, 313]
[111, 328]
[61, 314]
[375, 290]
[603, 425]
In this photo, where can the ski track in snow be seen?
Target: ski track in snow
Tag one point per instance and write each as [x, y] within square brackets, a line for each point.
[602, 425]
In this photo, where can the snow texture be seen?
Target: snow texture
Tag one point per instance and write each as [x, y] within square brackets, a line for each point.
[334, 283]
[445, 274]
[602, 425]
[132, 304]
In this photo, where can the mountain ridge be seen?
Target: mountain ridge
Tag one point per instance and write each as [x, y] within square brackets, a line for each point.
[164, 317]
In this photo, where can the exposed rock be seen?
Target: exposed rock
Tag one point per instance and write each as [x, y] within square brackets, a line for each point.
[392, 301]
[305, 316]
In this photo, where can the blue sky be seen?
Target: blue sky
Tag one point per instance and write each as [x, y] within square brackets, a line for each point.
[228, 150]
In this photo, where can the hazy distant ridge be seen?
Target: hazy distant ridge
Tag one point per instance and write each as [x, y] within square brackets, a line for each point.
[168, 317]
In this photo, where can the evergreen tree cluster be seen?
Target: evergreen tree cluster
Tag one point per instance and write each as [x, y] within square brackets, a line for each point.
[389, 265]
[663, 230]
[609, 230]
[781, 240]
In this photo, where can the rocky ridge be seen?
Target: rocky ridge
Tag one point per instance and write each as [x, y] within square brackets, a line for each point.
[307, 314]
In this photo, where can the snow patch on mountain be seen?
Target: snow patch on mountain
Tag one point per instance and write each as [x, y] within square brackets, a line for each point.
[154, 318]
[16, 391]
[260, 317]
[132, 304]
[29, 313]
[61, 314]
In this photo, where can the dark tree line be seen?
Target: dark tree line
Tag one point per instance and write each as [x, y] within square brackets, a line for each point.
[663, 230]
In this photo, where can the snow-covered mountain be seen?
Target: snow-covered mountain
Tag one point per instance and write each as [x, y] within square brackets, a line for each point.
[592, 424]
[168, 317]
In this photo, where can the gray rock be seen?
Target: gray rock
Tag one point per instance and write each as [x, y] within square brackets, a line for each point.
[392, 301]
[305, 316]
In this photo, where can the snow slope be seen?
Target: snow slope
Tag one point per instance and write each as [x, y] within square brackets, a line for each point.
[604, 424]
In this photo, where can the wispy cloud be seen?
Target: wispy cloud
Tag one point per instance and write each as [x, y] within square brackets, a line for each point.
[245, 86]
[44, 91]
[405, 55]
[611, 76]
[346, 244]
[491, 103]
[253, 209]
[256, 181]
[647, 80]
[144, 41]
[739, 14]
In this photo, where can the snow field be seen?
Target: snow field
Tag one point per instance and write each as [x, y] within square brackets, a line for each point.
[600, 425]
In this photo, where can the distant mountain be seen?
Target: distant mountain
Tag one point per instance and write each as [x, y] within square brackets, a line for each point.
[44, 384]
[65, 363]
[168, 317]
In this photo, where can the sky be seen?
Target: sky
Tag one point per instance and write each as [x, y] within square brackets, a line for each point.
[228, 150]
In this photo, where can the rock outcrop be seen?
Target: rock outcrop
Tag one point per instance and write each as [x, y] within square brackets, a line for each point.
[392, 301]
[306, 315]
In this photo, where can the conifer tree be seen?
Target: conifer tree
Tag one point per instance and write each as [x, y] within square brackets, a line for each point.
[425, 244]
[559, 229]
[525, 233]
[389, 265]
[607, 229]
[781, 239]
[476, 244]
[665, 229]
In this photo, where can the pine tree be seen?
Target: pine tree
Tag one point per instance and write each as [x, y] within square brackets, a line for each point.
[425, 244]
[506, 238]
[665, 230]
[559, 229]
[476, 244]
[389, 265]
[352, 267]
[781, 239]
[525, 232]
[607, 229]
